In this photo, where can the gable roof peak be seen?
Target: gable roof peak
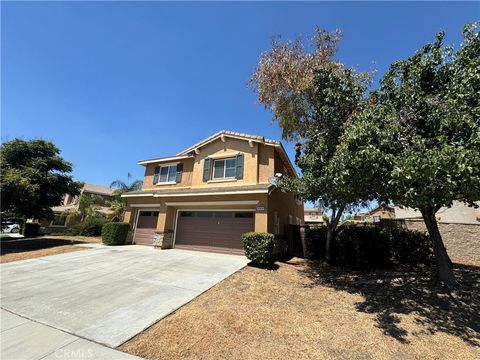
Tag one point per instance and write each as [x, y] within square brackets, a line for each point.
[228, 133]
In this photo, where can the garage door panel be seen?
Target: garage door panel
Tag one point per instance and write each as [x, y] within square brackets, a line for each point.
[212, 231]
[145, 229]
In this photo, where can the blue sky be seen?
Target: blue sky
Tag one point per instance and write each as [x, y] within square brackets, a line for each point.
[114, 83]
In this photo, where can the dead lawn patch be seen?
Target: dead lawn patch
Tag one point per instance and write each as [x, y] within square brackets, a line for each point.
[306, 311]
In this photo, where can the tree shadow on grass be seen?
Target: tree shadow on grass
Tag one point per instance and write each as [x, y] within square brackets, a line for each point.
[410, 290]
[18, 245]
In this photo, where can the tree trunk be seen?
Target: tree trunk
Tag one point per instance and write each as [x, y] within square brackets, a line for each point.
[444, 264]
[329, 257]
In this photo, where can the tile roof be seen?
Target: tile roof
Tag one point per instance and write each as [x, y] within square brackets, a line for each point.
[98, 189]
[231, 134]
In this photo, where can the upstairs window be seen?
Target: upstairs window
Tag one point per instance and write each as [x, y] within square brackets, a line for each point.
[168, 174]
[224, 169]
[228, 168]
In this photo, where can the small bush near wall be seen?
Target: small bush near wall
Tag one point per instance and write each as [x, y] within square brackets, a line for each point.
[259, 247]
[115, 233]
[90, 227]
[30, 229]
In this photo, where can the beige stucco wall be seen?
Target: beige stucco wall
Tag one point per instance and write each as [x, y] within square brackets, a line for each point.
[259, 165]
[166, 219]
[186, 176]
[461, 240]
[457, 213]
[260, 162]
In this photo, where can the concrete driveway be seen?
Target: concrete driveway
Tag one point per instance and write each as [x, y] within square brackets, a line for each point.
[109, 294]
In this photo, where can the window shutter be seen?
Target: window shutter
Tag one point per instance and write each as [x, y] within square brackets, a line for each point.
[206, 170]
[179, 173]
[156, 174]
[239, 174]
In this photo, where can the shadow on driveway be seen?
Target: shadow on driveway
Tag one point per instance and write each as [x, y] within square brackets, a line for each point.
[18, 245]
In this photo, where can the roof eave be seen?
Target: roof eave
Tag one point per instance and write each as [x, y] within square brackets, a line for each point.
[165, 159]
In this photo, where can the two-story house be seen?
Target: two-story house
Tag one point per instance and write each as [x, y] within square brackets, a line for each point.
[208, 195]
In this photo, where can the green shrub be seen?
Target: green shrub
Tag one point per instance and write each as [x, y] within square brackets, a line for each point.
[259, 247]
[362, 247]
[315, 241]
[90, 227]
[115, 233]
[410, 246]
[30, 229]
[368, 247]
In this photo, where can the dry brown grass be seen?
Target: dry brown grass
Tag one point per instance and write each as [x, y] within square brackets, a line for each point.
[14, 249]
[305, 311]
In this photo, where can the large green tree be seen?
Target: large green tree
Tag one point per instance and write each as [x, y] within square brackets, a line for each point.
[34, 178]
[313, 98]
[423, 133]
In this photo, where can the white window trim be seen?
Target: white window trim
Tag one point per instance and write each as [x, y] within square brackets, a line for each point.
[219, 180]
[224, 169]
[166, 182]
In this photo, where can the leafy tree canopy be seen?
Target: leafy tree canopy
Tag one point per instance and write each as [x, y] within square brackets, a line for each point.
[422, 133]
[34, 178]
[313, 98]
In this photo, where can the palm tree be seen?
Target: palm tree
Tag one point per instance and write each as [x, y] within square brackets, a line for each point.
[87, 207]
[122, 187]
[117, 206]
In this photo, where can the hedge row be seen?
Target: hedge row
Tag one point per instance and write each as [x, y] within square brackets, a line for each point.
[367, 247]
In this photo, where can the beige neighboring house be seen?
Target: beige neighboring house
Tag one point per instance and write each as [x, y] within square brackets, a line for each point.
[206, 196]
[70, 202]
[458, 224]
[381, 212]
[459, 213]
[313, 216]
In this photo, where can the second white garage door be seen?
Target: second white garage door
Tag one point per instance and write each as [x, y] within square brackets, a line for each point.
[215, 231]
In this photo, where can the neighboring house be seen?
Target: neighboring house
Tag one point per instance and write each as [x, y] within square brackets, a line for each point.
[458, 224]
[458, 213]
[208, 195]
[381, 212]
[61, 220]
[313, 216]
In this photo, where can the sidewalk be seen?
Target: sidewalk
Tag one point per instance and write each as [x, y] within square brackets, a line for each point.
[22, 338]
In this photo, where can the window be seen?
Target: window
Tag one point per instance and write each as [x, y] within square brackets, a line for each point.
[59, 220]
[314, 215]
[148, 213]
[376, 218]
[224, 169]
[244, 215]
[167, 174]
[223, 214]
